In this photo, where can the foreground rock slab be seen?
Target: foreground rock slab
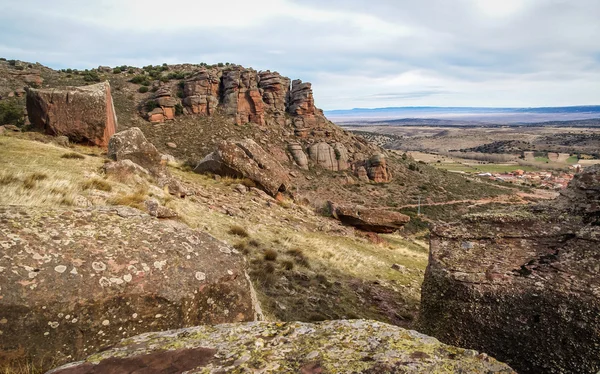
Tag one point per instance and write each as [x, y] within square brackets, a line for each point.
[75, 281]
[246, 159]
[522, 285]
[356, 346]
[83, 114]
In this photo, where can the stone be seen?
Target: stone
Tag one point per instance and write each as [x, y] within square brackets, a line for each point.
[241, 188]
[357, 346]
[124, 169]
[298, 155]
[75, 281]
[323, 155]
[377, 169]
[398, 267]
[83, 114]
[12, 128]
[369, 219]
[171, 145]
[202, 92]
[166, 158]
[132, 145]
[275, 90]
[523, 285]
[20, 92]
[361, 173]
[246, 159]
[156, 210]
[341, 156]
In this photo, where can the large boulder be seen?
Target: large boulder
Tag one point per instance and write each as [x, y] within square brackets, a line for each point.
[76, 281]
[521, 285]
[247, 159]
[84, 114]
[369, 219]
[378, 170]
[132, 145]
[328, 347]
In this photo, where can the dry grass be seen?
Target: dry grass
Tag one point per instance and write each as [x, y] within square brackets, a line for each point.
[73, 156]
[239, 231]
[135, 199]
[97, 184]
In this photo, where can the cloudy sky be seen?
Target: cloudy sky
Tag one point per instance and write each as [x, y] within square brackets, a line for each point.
[357, 53]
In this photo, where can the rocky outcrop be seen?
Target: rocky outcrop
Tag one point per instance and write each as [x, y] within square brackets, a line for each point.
[298, 155]
[84, 114]
[165, 109]
[132, 145]
[377, 169]
[369, 219]
[241, 97]
[522, 285]
[75, 281]
[328, 347]
[202, 92]
[331, 158]
[246, 159]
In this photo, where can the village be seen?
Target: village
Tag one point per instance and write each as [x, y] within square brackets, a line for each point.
[554, 180]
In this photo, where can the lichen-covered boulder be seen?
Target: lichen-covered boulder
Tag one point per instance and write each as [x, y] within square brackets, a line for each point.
[132, 145]
[328, 347]
[298, 155]
[246, 159]
[83, 114]
[75, 281]
[521, 285]
[369, 219]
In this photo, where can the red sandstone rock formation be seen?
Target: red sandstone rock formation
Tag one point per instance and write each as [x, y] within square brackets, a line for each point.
[83, 114]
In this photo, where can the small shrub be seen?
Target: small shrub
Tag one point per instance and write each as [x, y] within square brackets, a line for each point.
[2, 59]
[254, 243]
[117, 70]
[238, 231]
[97, 184]
[143, 89]
[288, 265]
[91, 76]
[178, 109]
[140, 79]
[11, 113]
[151, 105]
[270, 255]
[73, 156]
[12, 62]
[131, 71]
[19, 67]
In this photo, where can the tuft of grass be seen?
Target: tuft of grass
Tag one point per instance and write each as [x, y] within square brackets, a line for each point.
[288, 265]
[248, 182]
[239, 231]
[299, 257]
[269, 268]
[242, 247]
[31, 180]
[8, 178]
[254, 243]
[135, 199]
[270, 255]
[96, 184]
[73, 156]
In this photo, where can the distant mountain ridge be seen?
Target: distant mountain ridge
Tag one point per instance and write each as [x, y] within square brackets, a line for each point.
[468, 115]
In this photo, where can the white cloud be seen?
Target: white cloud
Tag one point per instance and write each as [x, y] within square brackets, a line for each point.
[358, 53]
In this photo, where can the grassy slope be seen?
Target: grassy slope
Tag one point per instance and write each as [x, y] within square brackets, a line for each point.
[322, 270]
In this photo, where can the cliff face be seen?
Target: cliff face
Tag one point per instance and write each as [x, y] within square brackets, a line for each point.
[523, 286]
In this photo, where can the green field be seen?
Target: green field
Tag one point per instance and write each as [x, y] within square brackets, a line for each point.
[488, 168]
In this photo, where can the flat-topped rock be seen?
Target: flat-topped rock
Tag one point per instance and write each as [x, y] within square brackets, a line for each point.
[357, 346]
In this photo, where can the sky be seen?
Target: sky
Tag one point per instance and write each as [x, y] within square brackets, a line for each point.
[357, 53]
